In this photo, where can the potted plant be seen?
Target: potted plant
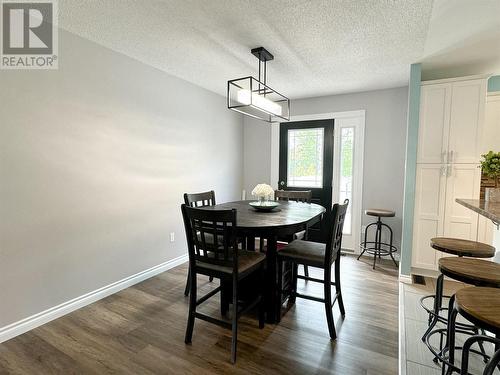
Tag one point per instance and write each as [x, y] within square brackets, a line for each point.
[490, 165]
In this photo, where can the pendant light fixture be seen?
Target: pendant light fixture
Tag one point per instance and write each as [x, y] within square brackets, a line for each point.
[254, 98]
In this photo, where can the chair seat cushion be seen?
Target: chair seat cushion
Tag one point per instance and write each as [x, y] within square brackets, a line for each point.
[247, 261]
[379, 212]
[304, 252]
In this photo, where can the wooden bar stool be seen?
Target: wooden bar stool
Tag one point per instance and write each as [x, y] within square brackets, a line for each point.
[461, 248]
[377, 247]
[472, 271]
[480, 306]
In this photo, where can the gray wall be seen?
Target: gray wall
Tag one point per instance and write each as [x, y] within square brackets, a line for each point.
[384, 154]
[94, 159]
[256, 153]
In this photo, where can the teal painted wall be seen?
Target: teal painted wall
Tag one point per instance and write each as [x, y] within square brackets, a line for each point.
[410, 167]
[494, 83]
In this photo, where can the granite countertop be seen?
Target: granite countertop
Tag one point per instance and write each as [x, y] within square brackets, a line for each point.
[491, 210]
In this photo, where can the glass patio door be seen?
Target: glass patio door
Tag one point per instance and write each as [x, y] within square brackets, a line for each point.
[348, 174]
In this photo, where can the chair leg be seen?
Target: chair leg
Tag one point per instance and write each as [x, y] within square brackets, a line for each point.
[192, 308]
[450, 337]
[328, 304]
[234, 319]
[306, 272]
[338, 290]
[378, 239]
[493, 364]
[224, 303]
[280, 289]
[293, 287]
[188, 283]
[262, 305]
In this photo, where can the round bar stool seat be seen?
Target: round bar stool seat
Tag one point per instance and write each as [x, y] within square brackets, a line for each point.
[472, 271]
[379, 212]
[481, 306]
[463, 248]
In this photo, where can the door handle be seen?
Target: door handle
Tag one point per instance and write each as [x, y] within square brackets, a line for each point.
[451, 157]
[282, 183]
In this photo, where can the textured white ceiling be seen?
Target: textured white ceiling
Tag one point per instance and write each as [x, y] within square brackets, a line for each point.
[320, 46]
[463, 39]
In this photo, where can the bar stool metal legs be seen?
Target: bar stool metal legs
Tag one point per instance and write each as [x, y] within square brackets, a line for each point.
[480, 339]
[434, 316]
[378, 248]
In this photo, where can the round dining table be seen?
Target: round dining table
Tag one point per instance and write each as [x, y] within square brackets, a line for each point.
[285, 220]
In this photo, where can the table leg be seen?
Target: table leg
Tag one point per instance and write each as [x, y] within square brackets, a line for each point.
[251, 243]
[271, 290]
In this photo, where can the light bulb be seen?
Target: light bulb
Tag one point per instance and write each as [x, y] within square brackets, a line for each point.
[245, 97]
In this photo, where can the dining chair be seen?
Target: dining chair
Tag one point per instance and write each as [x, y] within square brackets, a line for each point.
[221, 259]
[317, 255]
[304, 196]
[204, 199]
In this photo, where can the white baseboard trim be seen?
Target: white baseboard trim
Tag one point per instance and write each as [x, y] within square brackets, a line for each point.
[405, 279]
[31, 322]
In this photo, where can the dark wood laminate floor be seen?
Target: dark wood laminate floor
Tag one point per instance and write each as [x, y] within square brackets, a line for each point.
[140, 330]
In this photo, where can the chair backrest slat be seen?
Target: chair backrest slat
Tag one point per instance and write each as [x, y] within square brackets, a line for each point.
[204, 199]
[304, 196]
[334, 240]
[211, 236]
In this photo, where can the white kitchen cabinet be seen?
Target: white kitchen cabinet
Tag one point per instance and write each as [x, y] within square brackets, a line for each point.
[430, 193]
[434, 123]
[463, 181]
[468, 100]
[491, 141]
[485, 230]
[448, 153]
[451, 122]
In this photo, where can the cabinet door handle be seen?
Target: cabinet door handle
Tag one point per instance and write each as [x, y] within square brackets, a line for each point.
[451, 157]
[443, 170]
[449, 170]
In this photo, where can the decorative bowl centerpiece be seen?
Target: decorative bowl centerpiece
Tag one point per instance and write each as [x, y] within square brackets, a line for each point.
[263, 192]
[490, 166]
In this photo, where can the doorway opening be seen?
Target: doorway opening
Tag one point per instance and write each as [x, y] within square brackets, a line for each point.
[323, 153]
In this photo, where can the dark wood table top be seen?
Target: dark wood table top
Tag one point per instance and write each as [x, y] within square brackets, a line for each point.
[481, 306]
[472, 271]
[464, 248]
[287, 214]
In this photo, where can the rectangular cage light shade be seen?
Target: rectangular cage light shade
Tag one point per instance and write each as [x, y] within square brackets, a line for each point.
[253, 98]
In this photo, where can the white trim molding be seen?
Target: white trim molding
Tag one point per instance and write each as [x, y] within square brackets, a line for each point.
[31, 322]
[455, 79]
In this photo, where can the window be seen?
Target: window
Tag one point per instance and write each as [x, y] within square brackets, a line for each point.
[346, 171]
[305, 158]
